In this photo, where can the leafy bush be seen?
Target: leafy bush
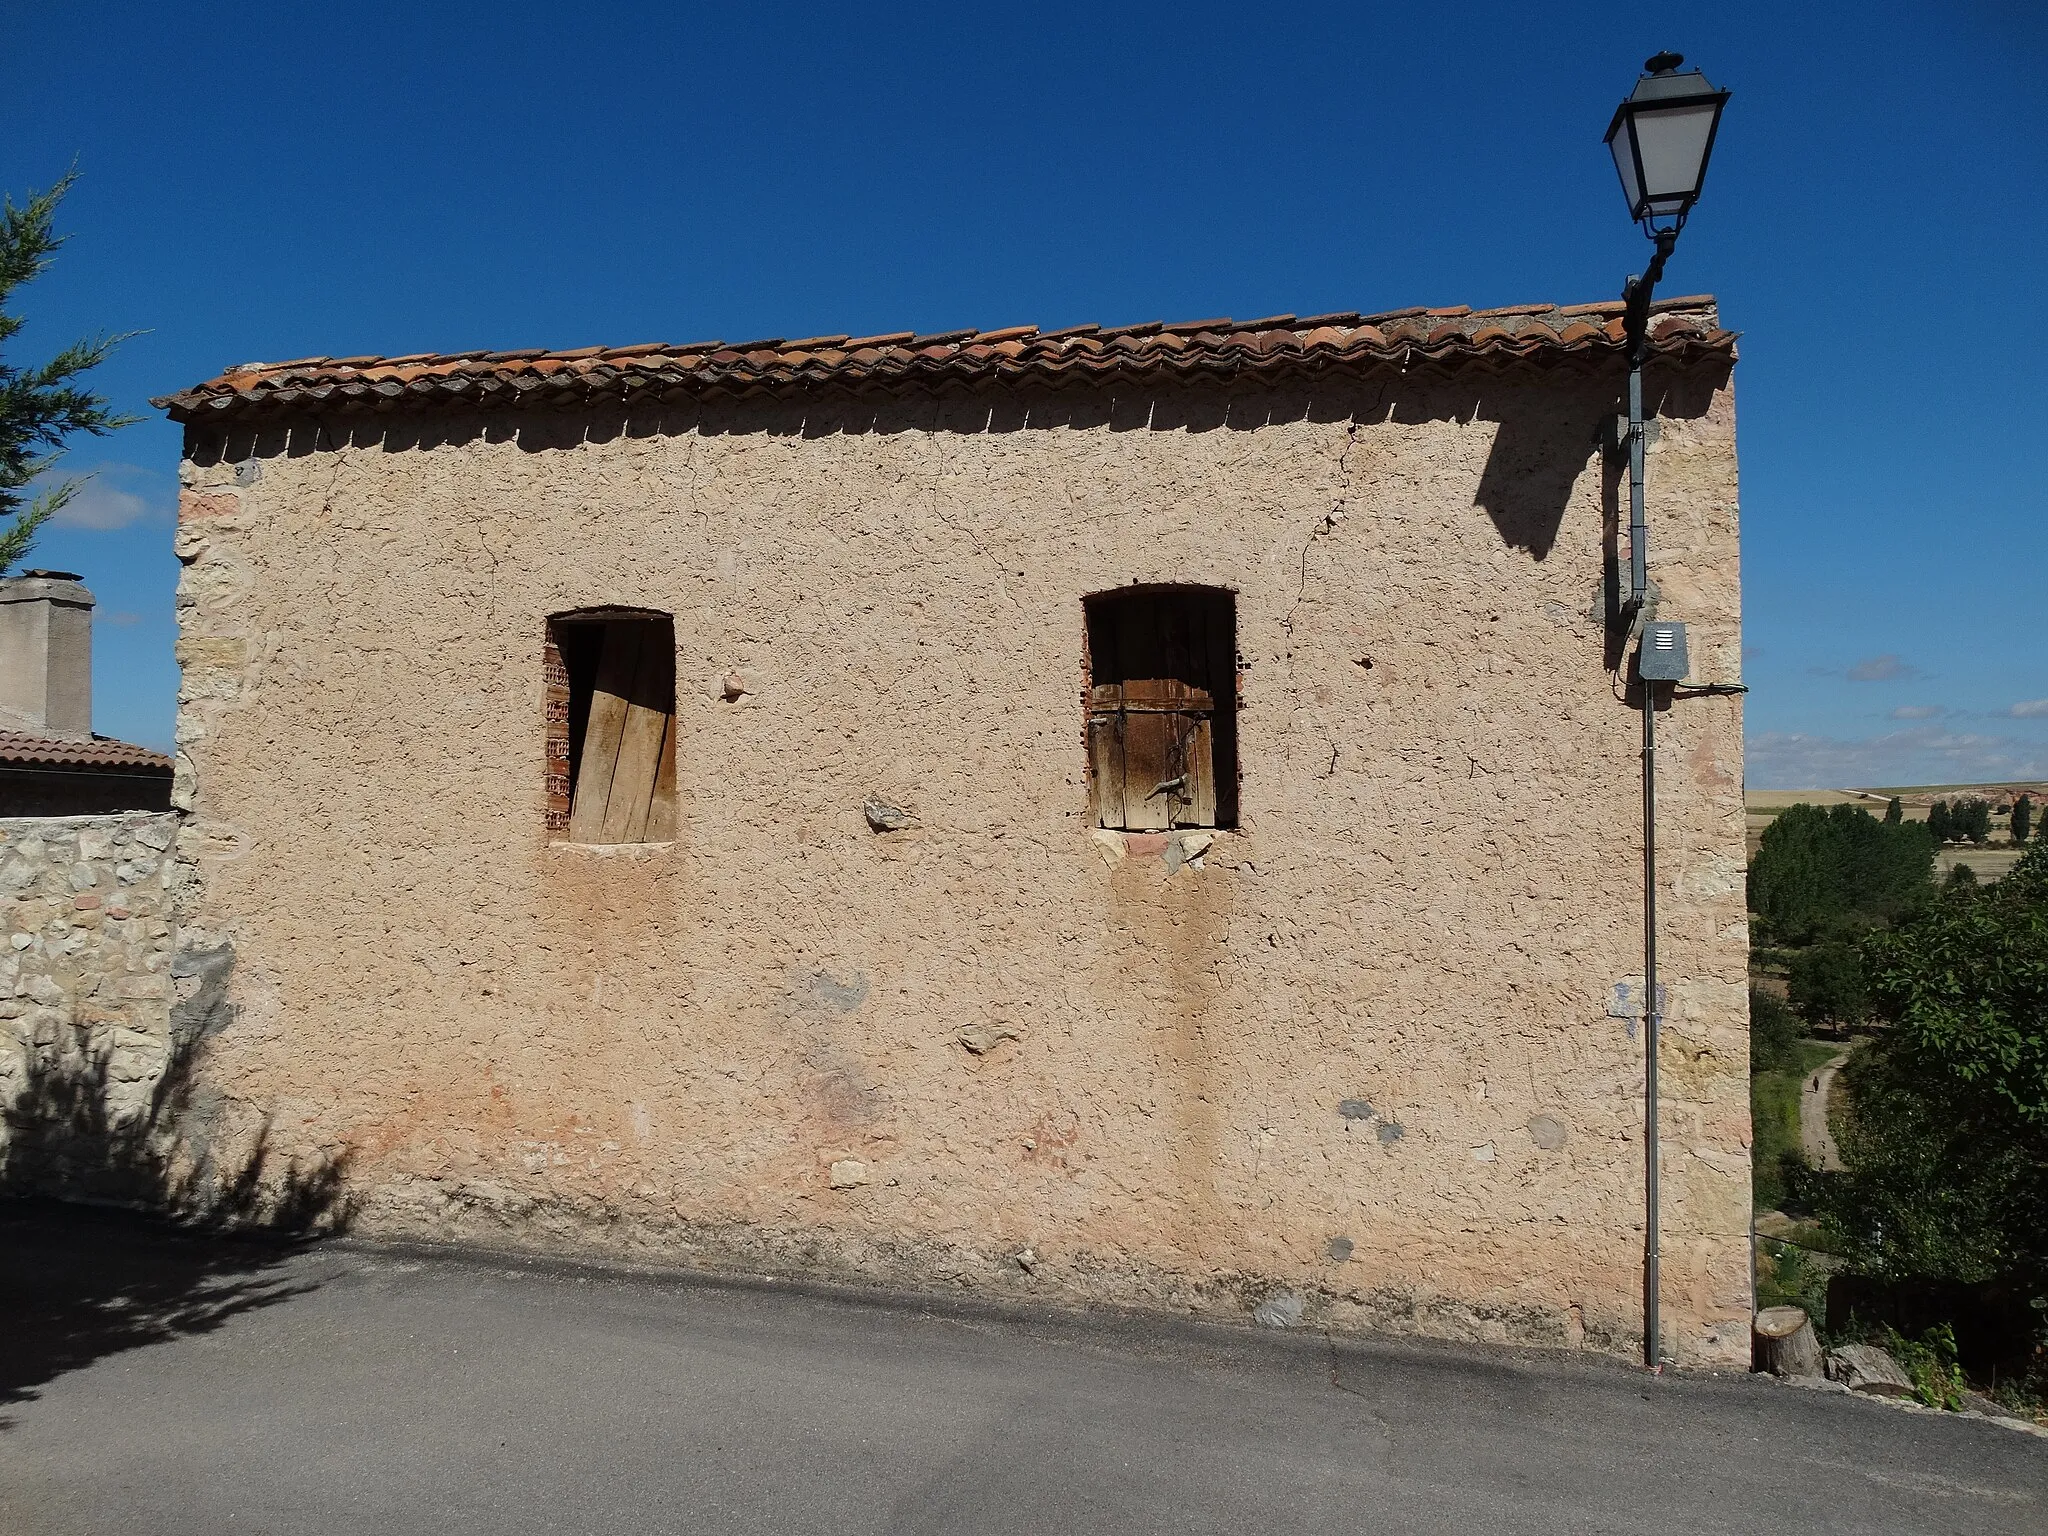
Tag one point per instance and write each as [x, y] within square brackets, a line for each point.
[1947, 1142]
[1931, 1362]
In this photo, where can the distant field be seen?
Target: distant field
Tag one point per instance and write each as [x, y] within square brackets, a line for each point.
[2035, 787]
[1778, 799]
[1990, 863]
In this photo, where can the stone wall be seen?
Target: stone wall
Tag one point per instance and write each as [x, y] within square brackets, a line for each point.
[1369, 1060]
[89, 912]
[112, 994]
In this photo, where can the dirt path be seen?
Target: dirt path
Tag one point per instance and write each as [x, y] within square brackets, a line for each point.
[1815, 1139]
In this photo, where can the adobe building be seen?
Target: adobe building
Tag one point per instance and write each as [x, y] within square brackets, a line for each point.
[1145, 816]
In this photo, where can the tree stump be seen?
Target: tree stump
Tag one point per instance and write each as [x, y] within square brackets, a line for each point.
[1784, 1342]
[1866, 1368]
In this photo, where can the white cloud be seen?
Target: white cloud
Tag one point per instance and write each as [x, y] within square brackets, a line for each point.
[1927, 754]
[2031, 709]
[110, 496]
[1882, 669]
[1918, 712]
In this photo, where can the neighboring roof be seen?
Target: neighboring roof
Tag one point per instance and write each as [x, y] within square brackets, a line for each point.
[1683, 329]
[103, 754]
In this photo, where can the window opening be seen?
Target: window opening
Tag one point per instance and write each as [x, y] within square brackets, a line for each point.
[1162, 708]
[611, 724]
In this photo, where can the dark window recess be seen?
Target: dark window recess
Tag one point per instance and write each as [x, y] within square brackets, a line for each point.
[1162, 708]
[611, 727]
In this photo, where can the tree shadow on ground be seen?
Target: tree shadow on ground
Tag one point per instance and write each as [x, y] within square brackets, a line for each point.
[80, 1283]
[197, 1236]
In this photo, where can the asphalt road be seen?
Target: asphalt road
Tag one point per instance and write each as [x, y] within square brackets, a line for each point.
[162, 1385]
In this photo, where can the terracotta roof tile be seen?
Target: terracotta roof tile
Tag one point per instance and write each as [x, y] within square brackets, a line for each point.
[102, 754]
[1684, 330]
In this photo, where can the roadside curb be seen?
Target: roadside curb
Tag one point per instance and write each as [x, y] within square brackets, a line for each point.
[1822, 1384]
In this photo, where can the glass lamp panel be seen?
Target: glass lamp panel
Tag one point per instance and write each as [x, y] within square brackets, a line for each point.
[1625, 162]
[1674, 149]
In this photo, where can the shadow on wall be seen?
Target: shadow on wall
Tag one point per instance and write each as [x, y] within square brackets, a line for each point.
[1547, 423]
[1534, 463]
[199, 1245]
[67, 1138]
[1544, 442]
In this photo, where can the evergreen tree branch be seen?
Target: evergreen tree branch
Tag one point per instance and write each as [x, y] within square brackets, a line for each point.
[42, 406]
[17, 539]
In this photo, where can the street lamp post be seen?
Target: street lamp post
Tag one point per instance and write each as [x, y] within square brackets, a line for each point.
[1661, 138]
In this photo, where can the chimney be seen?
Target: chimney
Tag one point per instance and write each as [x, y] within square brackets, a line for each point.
[46, 655]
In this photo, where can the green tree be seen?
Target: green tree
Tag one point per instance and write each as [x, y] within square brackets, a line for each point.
[42, 405]
[2022, 818]
[1938, 822]
[1773, 1027]
[1837, 869]
[1826, 986]
[1948, 1142]
[1970, 817]
[1894, 812]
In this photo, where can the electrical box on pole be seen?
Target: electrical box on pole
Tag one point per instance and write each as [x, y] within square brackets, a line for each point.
[1661, 657]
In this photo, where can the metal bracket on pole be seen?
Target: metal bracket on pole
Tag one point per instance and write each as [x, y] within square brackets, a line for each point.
[1614, 436]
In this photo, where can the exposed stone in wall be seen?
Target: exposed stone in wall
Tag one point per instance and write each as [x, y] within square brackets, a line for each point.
[89, 909]
[112, 994]
[1362, 1051]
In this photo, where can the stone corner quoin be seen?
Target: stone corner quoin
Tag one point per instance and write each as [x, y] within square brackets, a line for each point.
[871, 993]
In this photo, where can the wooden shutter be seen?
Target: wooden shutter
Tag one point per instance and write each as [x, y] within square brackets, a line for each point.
[625, 778]
[1162, 660]
[1106, 755]
[1152, 750]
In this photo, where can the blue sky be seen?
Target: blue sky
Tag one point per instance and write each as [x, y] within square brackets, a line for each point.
[266, 181]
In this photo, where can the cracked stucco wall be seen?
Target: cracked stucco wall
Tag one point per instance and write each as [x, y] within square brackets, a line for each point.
[1355, 1060]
